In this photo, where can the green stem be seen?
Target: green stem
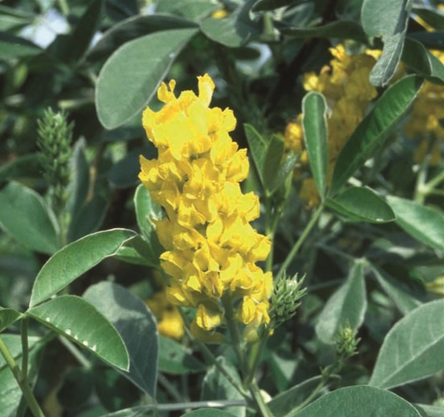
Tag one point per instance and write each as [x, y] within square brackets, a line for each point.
[300, 241]
[257, 397]
[21, 381]
[254, 357]
[434, 182]
[233, 329]
[25, 347]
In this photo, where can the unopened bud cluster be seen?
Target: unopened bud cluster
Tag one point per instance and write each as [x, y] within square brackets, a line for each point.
[346, 342]
[285, 299]
[54, 140]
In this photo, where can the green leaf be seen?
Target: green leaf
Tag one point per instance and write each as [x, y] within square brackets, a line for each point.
[423, 223]
[362, 204]
[27, 166]
[431, 15]
[272, 162]
[24, 214]
[80, 182]
[124, 173]
[190, 9]
[136, 326]
[139, 251]
[257, 147]
[132, 28]
[79, 321]
[146, 212]
[71, 48]
[15, 47]
[232, 31]
[14, 345]
[403, 301]
[346, 306]
[416, 56]
[75, 259]
[371, 133]
[216, 385]
[314, 124]
[340, 29]
[389, 21]
[362, 401]
[88, 218]
[430, 410]
[177, 359]
[130, 77]
[10, 392]
[430, 40]
[412, 349]
[13, 18]
[7, 317]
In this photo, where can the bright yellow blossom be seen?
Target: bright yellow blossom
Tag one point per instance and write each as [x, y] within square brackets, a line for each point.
[211, 249]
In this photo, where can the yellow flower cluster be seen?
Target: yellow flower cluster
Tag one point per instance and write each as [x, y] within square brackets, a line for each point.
[211, 247]
[347, 89]
[425, 117]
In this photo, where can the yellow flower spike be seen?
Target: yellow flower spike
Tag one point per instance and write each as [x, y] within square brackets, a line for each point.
[211, 248]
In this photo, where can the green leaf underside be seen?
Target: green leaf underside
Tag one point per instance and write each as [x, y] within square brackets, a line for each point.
[362, 401]
[404, 358]
[346, 306]
[75, 259]
[135, 325]
[389, 21]
[234, 30]
[25, 215]
[131, 76]
[371, 133]
[423, 223]
[79, 321]
[362, 204]
[135, 27]
[314, 124]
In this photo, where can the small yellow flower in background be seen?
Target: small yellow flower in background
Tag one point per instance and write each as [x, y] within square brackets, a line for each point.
[347, 89]
[211, 247]
[425, 116]
[169, 319]
[220, 14]
[436, 286]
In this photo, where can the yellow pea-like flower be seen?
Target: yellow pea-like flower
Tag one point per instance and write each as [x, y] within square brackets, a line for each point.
[211, 249]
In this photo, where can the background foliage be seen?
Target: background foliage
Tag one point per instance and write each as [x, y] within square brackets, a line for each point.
[369, 240]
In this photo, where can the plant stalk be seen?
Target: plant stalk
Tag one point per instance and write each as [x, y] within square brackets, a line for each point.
[300, 241]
